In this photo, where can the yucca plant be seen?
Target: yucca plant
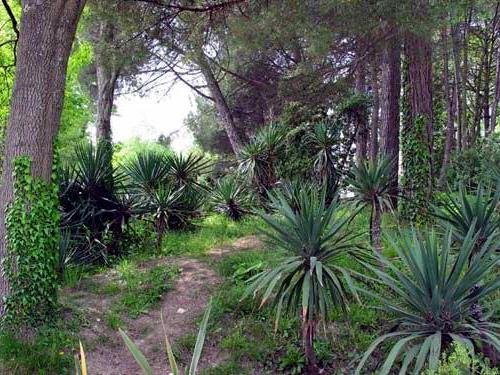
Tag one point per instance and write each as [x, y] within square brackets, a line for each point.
[309, 281]
[186, 170]
[231, 198]
[370, 182]
[292, 190]
[165, 205]
[323, 141]
[432, 295]
[258, 158]
[90, 196]
[465, 210]
[147, 170]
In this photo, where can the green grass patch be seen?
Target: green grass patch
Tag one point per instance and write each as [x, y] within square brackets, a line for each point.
[138, 290]
[212, 231]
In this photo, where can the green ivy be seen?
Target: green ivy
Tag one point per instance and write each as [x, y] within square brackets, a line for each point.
[32, 224]
[416, 166]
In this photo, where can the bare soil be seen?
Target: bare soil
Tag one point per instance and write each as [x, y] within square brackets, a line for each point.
[105, 351]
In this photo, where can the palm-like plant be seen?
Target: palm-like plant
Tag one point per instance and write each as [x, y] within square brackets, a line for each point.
[258, 158]
[164, 205]
[90, 192]
[309, 281]
[292, 191]
[371, 184]
[231, 198]
[147, 170]
[433, 299]
[324, 142]
[185, 170]
[464, 211]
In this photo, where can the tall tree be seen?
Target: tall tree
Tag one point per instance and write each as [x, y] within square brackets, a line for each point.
[45, 40]
[389, 105]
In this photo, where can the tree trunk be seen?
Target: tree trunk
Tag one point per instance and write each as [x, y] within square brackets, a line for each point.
[308, 330]
[107, 75]
[418, 52]
[389, 107]
[47, 33]
[375, 114]
[375, 223]
[361, 117]
[460, 91]
[450, 123]
[220, 102]
[496, 99]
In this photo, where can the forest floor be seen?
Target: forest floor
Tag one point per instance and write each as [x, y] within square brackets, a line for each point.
[182, 302]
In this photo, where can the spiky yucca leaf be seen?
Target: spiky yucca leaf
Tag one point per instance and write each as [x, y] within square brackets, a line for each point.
[231, 198]
[147, 170]
[308, 281]
[465, 210]
[433, 299]
[185, 170]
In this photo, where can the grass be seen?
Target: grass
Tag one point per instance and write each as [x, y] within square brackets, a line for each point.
[48, 351]
[137, 289]
[212, 231]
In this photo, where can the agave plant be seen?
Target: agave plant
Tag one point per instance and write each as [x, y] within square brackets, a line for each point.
[309, 281]
[371, 184]
[147, 170]
[464, 211]
[231, 198]
[433, 299]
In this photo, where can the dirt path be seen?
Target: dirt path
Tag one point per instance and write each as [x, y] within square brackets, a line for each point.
[106, 353]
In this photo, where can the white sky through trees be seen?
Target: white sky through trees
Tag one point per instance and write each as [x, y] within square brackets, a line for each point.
[153, 114]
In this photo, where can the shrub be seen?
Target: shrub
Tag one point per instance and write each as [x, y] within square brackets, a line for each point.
[308, 282]
[434, 299]
[231, 198]
[460, 362]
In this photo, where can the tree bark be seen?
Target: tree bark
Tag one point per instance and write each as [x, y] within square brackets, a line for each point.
[375, 114]
[107, 75]
[496, 99]
[419, 53]
[47, 32]
[361, 117]
[460, 90]
[450, 122]
[223, 109]
[375, 223]
[389, 107]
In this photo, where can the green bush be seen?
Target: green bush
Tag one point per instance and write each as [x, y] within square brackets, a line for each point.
[461, 362]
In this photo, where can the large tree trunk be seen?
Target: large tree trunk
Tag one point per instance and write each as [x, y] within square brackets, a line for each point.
[47, 33]
[375, 114]
[419, 54]
[450, 124]
[220, 102]
[361, 117]
[389, 107]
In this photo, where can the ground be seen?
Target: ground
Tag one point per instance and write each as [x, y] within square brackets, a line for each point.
[180, 306]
